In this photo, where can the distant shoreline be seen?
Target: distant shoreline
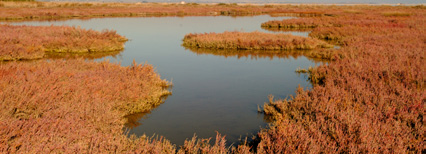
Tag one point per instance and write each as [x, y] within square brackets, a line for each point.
[244, 3]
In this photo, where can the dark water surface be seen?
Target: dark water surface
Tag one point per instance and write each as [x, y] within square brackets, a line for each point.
[213, 90]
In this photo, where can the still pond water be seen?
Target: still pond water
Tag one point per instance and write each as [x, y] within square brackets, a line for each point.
[211, 91]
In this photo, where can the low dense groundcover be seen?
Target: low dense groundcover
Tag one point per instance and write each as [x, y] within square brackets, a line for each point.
[75, 106]
[32, 42]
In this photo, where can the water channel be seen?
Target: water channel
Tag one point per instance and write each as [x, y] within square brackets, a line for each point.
[212, 91]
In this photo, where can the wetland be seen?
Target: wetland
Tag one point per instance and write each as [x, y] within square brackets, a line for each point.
[211, 92]
[368, 98]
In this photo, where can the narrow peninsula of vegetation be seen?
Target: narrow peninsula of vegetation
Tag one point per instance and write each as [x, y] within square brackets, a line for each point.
[252, 41]
[32, 42]
[296, 24]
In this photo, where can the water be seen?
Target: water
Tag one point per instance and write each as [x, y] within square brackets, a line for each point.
[212, 91]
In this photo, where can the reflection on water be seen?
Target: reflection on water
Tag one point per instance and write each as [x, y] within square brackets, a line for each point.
[89, 56]
[133, 120]
[276, 29]
[301, 32]
[212, 90]
[254, 54]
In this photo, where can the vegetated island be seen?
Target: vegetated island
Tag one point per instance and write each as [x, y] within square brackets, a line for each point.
[252, 41]
[33, 42]
[259, 41]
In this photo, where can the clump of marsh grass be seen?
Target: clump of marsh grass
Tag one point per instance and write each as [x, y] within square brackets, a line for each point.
[301, 70]
[203, 145]
[252, 41]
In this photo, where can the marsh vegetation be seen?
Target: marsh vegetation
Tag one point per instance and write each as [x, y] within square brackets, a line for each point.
[369, 99]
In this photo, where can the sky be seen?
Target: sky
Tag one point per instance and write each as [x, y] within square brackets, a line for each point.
[272, 1]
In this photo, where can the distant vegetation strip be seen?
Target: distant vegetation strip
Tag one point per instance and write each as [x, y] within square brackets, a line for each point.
[12, 11]
[16, 11]
[252, 41]
[32, 42]
[76, 106]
